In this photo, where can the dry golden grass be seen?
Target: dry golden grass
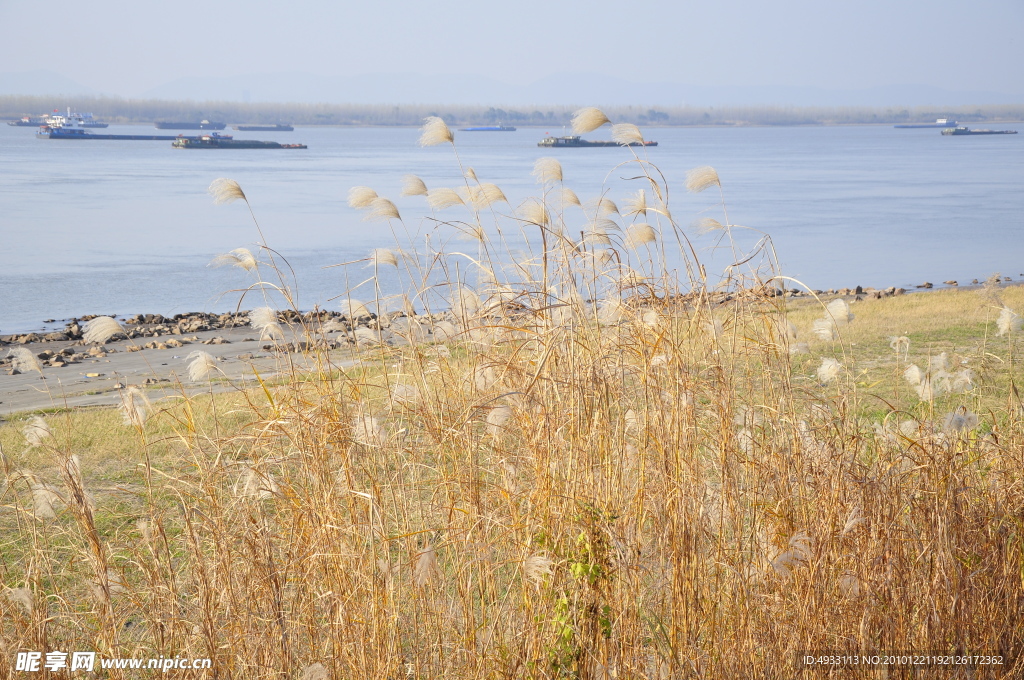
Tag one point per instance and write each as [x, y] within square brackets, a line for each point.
[544, 489]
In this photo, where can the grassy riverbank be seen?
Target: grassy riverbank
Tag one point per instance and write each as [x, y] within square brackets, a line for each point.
[687, 479]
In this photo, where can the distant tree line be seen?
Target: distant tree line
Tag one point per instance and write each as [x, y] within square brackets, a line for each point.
[117, 110]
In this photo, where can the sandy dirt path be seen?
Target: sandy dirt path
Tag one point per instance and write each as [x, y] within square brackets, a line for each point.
[98, 381]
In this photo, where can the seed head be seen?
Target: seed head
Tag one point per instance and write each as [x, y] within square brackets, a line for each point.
[435, 132]
[588, 119]
[699, 179]
[413, 186]
[547, 170]
[239, 257]
[226, 190]
[361, 197]
[627, 133]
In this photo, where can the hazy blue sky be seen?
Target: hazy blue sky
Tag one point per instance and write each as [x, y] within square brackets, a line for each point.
[126, 48]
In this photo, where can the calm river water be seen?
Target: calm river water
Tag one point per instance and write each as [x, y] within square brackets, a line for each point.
[106, 227]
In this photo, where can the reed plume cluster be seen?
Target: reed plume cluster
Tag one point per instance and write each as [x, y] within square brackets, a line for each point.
[569, 462]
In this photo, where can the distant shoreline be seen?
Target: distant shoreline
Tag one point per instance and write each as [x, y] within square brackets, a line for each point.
[146, 111]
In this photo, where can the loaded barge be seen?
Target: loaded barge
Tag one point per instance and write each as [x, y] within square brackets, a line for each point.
[215, 141]
[50, 132]
[576, 141]
[265, 128]
[958, 131]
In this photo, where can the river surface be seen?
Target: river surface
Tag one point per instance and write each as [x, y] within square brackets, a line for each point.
[121, 227]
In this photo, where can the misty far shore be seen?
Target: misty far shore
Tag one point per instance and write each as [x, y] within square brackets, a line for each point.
[118, 110]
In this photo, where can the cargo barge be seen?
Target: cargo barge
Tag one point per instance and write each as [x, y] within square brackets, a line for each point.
[264, 128]
[48, 132]
[939, 123]
[488, 128]
[958, 131]
[201, 125]
[576, 141]
[215, 141]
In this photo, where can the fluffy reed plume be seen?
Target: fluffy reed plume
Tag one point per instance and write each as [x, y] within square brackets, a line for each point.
[636, 204]
[465, 303]
[413, 186]
[239, 257]
[486, 195]
[435, 132]
[361, 197]
[610, 312]
[1008, 321]
[850, 585]
[483, 378]
[21, 597]
[839, 311]
[36, 431]
[706, 225]
[368, 336]
[963, 381]
[588, 119]
[23, 360]
[627, 133]
[200, 365]
[354, 309]
[547, 170]
[382, 256]
[601, 257]
[569, 197]
[100, 329]
[444, 331]
[264, 319]
[702, 178]
[825, 329]
[316, 671]
[470, 174]
[829, 370]
[497, 418]
[253, 484]
[785, 330]
[936, 380]
[597, 237]
[134, 406]
[426, 569]
[225, 190]
[900, 344]
[960, 420]
[534, 212]
[853, 520]
[367, 430]
[443, 197]
[640, 234]
[799, 348]
[382, 209]
[603, 206]
[797, 554]
[537, 566]
[45, 501]
[939, 362]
